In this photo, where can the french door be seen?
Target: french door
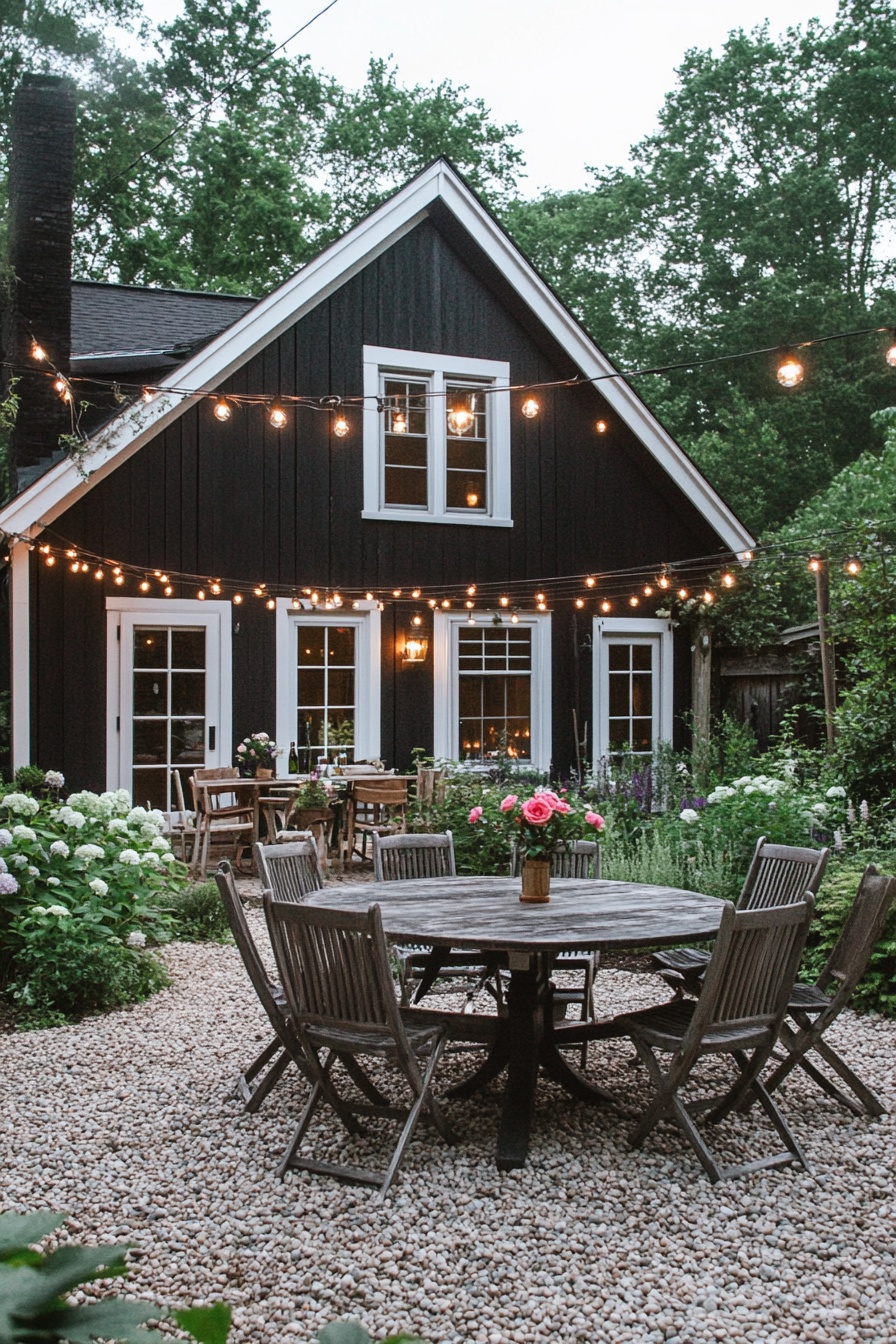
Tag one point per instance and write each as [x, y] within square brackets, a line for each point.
[169, 694]
[632, 687]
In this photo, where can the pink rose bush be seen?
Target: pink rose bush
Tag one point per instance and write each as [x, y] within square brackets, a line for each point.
[537, 825]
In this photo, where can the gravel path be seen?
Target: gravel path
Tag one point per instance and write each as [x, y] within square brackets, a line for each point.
[126, 1122]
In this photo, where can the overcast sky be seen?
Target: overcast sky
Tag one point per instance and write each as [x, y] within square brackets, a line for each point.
[584, 79]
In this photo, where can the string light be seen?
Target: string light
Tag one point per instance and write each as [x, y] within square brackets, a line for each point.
[514, 618]
[237, 599]
[580, 602]
[118, 580]
[745, 558]
[890, 356]
[790, 370]
[728, 580]
[222, 410]
[504, 601]
[98, 574]
[853, 565]
[271, 604]
[340, 427]
[606, 606]
[38, 352]
[396, 592]
[471, 590]
[469, 604]
[201, 594]
[539, 597]
[634, 601]
[215, 587]
[75, 567]
[530, 408]
[709, 598]
[368, 597]
[601, 427]
[446, 603]
[50, 561]
[590, 581]
[663, 581]
[277, 416]
[815, 563]
[461, 419]
[147, 394]
[683, 594]
[648, 590]
[168, 590]
[416, 620]
[433, 603]
[415, 593]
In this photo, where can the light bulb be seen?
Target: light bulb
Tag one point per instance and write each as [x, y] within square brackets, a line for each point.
[606, 606]
[815, 563]
[728, 580]
[790, 370]
[472, 499]
[504, 601]
[399, 422]
[201, 594]
[539, 597]
[683, 593]
[222, 410]
[709, 598]
[469, 604]
[590, 581]
[415, 593]
[530, 408]
[168, 590]
[148, 394]
[890, 356]
[601, 427]
[460, 420]
[259, 591]
[97, 574]
[37, 351]
[50, 561]
[75, 567]
[633, 601]
[514, 619]
[237, 599]
[215, 587]
[276, 417]
[340, 426]
[663, 581]
[745, 557]
[853, 565]
[580, 602]
[648, 591]
[446, 603]
[119, 579]
[416, 620]
[271, 604]
[471, 591]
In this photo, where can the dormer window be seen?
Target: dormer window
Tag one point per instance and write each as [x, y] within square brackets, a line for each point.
[436, 438]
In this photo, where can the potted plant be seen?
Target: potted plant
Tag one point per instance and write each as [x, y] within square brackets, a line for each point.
[256, 755]
[538, 826]
[311, 804]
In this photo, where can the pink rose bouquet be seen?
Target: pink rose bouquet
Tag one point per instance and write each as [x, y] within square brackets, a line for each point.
[538, 825]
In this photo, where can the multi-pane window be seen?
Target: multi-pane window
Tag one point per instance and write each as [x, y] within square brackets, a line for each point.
[436, 438]
[630, 677]
[169, 708]
[494, 675]
[326, 685]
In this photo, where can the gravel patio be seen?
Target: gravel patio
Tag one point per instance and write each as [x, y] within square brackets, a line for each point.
[126, 1122]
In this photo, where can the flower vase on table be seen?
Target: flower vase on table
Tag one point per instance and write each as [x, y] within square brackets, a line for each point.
[535, 828]
[255, 756]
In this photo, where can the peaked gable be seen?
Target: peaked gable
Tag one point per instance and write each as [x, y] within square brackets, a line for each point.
[437, 187]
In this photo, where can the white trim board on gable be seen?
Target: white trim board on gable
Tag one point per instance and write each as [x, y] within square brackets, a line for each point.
[61, 486]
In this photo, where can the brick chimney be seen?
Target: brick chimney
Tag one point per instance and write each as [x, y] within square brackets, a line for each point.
[37, 305]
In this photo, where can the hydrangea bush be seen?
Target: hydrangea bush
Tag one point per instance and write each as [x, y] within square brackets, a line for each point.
[83, 890]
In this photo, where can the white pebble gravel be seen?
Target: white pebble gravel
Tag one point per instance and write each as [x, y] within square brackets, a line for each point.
[126, 1121]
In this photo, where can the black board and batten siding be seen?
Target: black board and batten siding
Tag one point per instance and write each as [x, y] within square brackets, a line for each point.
[243, 501]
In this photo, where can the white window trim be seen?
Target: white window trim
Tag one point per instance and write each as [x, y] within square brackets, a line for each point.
[446, 706]
[168, 611]
[659, 632]
[365, 617]
[379, 359]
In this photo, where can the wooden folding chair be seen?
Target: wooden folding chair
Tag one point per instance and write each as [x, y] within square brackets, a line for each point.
[290, 870]
[814, 1008]
[744, 997]
[334, 967]
[575, 858]
[778, 875]
[255, 1082]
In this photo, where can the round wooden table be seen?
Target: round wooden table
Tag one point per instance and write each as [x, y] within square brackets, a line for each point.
[486, 913]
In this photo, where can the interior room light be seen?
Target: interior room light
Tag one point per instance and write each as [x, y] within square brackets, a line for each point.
[222, 410]
[340, 426]
[399, 422]
[277, 417]
[790, 370]
[472, 498]
[530, 408]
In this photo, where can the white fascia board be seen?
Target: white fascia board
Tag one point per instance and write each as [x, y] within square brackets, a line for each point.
[60, 487]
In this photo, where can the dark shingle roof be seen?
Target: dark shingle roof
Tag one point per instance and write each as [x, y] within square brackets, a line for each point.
[123, 319]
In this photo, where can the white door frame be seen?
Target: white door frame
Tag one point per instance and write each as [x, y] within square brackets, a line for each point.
[122, 614]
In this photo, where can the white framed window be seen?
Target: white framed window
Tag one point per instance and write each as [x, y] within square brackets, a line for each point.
[169, 693]
[632, 686]
[328, 682]
[492, 688]
[436, 438]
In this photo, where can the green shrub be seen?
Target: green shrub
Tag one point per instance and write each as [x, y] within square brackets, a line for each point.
[29, 778]
[877, 988]
[198, 914]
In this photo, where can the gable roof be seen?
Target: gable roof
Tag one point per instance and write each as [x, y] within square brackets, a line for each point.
[58, 488]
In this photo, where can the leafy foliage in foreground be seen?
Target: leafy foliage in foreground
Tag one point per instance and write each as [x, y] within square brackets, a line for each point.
[34, 1286]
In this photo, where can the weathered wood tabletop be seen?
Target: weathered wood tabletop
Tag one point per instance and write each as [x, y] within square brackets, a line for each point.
[486, 912]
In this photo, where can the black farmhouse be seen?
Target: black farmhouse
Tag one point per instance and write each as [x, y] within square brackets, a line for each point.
[425, 550]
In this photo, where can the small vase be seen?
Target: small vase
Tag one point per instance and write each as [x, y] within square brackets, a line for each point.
[536, 881]
[264, 772]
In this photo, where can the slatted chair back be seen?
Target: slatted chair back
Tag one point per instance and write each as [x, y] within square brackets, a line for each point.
[780, 875]
[860, 934]
[575, 858]
[400, 858]
[242, 936]
[291, 871]
[334, 966]
[751, 973]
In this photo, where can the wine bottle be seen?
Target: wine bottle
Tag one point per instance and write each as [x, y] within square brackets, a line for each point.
[293, 766]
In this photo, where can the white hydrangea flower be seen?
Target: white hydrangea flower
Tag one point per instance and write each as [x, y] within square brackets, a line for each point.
[21, 804]
[167, 858]
[59, 910]
[836, 791]
[136, 939]
[739, 783]
[69, 817]
[689, 815]
[61, 848]
[90, 852]
[54, 779]
[19, 860]
[38, 910]
[161, 844]
[129, 856]
[99, 887]
[32, 871]
[751, 788]
[117, 826]
[24, 833]
[54, 882]
[150, 858]
[5, 837]
[819, 809]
